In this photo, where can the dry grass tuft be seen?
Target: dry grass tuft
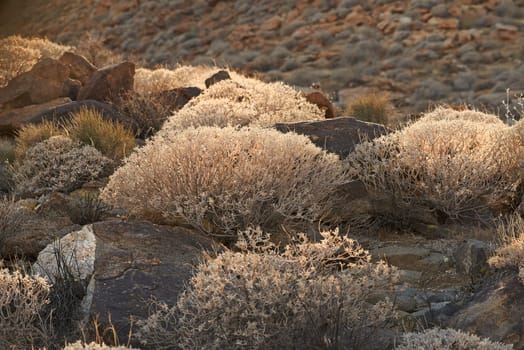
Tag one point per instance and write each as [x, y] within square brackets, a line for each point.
[370, 107]
[511, 251]
[112, 139]
[31, 134]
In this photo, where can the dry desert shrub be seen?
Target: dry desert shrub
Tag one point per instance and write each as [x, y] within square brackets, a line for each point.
[444, 113]
[58, 164]
[149, 81]
[246, 101]
[307, 296]
[23, 300]
[31, 134]
[220, 180]
[219, 112]
[148, 112]
[112, 139]
[510, 253]
[448, 339]
[457, 168]
[19, 55]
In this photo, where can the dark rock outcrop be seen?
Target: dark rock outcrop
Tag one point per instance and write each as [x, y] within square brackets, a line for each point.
[43, 83]
[337, 135]
[179, 97]
[107, 83]
[215, 78]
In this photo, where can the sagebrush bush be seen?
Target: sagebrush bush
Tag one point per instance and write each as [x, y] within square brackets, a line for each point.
[370, 107]
[308, 296]
[220, 180]
[111, 138]
[23, 300]
[456, 167]
[19, 55]
[510, 253]
[31, 134]
[265, 103]
[58, 164]
[448, 339]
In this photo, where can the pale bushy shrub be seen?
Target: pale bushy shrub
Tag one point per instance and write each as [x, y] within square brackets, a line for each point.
[58, 164]
[511, 251]
[265, 103]
[444, 113]
[23, 300]
[448, 339]
[220, 180]
[308, 296]
[93, 346]
[457, 167]
[220, 112]
[19, 55]
[149, 81]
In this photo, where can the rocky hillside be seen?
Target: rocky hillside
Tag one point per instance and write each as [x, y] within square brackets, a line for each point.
[422, 52]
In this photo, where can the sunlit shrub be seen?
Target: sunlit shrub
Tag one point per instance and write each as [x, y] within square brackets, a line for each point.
[111, 138]
[448, 339]
[308, 296]
[220, 180]
[58, 164]
[456, 167]
[23, 300]
[19, 55]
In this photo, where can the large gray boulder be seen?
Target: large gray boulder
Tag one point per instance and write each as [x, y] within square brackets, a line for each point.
[125, 264]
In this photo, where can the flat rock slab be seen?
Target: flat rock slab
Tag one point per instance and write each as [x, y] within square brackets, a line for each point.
[336, 135]
[137, 261]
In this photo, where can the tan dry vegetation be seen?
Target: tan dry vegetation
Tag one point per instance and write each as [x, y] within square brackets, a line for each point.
[310, 295]
[23, 299]
[19, 55]
[244, 102]
[221, 180]
[448, 339]
[31, 134]
[58, 164]
[510, 253]
[111, 138]
[457, 166]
